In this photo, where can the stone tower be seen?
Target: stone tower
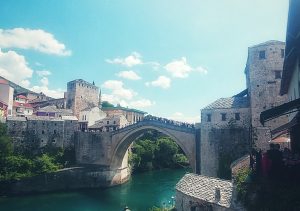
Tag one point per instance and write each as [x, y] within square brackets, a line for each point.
[263, 76]
[81, 95]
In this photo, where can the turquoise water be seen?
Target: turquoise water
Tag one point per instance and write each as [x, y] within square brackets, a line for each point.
[143, 191]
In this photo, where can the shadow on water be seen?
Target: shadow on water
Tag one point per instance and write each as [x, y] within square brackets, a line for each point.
[141, 192]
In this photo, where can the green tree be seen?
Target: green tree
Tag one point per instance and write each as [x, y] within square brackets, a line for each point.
[166, 149]
[6, 147]
[106, 104]
[46, 164]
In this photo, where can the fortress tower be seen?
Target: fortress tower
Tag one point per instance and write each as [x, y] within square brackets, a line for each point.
[263, 76]
[81, 95]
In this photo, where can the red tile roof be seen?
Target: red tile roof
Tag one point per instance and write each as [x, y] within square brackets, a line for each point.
[22, 105]
[21, 97]
[2, 81]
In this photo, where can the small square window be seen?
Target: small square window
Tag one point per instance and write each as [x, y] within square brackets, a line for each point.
[208, 117]
[223, 117]
[277, 74]
[237, 116]
[262, 54]
[107, 122]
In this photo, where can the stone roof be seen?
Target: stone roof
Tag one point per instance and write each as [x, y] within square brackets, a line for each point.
[16, 118]
[63, 112]
[43, 118]
[204, 188]
[229, 102]
[269, 42]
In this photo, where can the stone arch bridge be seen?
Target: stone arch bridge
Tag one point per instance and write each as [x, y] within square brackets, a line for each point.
[108, 151]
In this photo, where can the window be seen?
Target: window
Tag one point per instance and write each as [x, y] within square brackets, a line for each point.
[277, 74]
[282, 53]
[223, 117]
[262, 54]
[107, 122]
[208, 117]
[114, 122]
[54, 131]
[43, 132]
[237, 116]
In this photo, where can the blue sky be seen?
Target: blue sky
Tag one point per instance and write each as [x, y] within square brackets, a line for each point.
[169, 58]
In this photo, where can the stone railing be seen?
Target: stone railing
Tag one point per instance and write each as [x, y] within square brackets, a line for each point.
[178, 126]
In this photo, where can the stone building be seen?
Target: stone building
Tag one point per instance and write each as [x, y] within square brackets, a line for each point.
[263, 76]
[81, 95]
[231, 126]
[39, 131]
[132, 115]
[53, 111]
[110, 123]
[290, 83]
[198, 192]
[89, 116]
[224, 126]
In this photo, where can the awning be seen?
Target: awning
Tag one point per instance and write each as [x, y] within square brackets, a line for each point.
[285, 126]
[283, 109]
[280, 140]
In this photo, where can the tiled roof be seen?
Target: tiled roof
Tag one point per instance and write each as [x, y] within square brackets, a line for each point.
[69, 118]
[21, 97]
[229, 102]
[43, 118]
[16, 118]
[22, 105]
[53, 109]
[204, 188]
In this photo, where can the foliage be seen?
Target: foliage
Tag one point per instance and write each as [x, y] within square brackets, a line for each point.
[106, 104]
[155, 151]
[241, 184]
[46, 164]
[6, 147]
[224, 170]
[161, 209]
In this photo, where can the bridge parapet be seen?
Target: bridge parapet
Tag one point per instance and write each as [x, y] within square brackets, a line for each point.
[165, 123]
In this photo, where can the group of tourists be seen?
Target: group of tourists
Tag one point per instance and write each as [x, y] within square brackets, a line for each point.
[275, 163]
[168, 121]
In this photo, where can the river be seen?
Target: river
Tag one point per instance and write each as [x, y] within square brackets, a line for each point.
[143, 191]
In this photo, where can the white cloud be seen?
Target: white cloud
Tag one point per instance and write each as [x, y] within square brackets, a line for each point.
[181, 69]
[55, 93]
[118, 90]
[131, 75]
[133, 59]
[162, 81]
[14, 67]
[42, 73]
[36, 39]
[143, 103]
[178, 116]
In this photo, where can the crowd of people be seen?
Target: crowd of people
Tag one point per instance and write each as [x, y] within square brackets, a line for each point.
[275, 163]
[168, 121]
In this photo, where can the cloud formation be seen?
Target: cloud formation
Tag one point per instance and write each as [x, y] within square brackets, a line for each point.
[162, 82]
[131, 75]
[181, 69]
[42, 73]
[14, 67]
[178, 116]
[118, 90]
[133, 59]
[36, 39]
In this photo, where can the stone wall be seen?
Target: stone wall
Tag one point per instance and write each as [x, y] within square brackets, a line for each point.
[220, 147]
[240, 164]
[39, 131]
[91, 176]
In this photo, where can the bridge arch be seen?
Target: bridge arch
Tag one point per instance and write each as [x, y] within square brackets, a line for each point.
[123, 139]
